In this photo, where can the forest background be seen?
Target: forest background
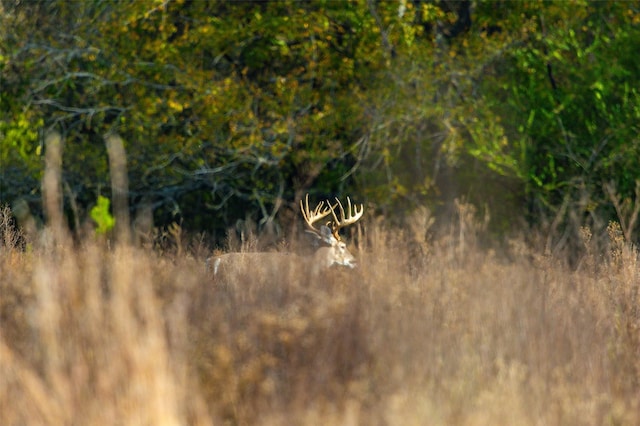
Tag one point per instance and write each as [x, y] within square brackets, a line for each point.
[494, 145]
[234, 110]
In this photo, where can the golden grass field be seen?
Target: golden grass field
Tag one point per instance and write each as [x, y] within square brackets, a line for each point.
[442, 332]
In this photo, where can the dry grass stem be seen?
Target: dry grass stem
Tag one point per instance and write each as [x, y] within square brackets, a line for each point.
[438, 332]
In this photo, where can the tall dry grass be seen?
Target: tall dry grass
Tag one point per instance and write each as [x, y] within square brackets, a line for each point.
[423, 333]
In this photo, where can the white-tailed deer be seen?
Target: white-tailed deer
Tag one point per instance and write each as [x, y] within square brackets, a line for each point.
[334, 250]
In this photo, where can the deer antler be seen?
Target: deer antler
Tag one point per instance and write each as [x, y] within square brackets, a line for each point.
[353, 215]
[313, 216]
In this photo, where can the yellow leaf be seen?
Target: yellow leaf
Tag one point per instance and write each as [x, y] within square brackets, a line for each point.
[174, 105]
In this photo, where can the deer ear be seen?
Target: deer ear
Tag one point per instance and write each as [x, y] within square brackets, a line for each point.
[327, 235]
[314, 238]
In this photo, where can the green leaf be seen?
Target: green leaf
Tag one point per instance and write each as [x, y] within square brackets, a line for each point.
[101, 216]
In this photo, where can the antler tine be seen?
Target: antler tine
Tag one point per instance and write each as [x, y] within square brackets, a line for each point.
[313, 216]
[352, 216]
[304, 211]
[357, 213]
[334, 224]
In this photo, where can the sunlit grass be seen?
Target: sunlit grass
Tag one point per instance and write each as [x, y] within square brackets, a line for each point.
[439, 332]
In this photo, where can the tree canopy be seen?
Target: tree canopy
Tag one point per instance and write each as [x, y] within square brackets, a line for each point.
[230, 109]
